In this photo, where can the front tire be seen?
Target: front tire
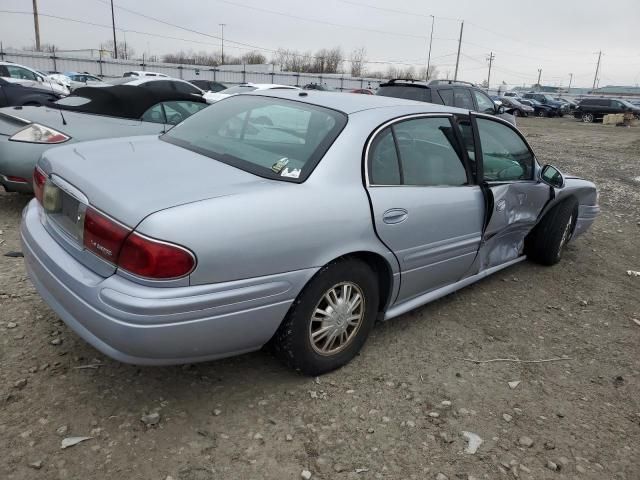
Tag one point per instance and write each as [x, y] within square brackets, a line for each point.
[546, 241]
[330, 320]
[541, 113]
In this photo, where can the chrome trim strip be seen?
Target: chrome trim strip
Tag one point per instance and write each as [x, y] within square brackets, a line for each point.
[428, 297]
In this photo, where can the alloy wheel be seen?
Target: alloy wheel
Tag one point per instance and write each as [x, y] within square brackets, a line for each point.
[336, 319]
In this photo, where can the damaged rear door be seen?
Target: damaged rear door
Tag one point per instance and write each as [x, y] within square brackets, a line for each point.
[514, 196]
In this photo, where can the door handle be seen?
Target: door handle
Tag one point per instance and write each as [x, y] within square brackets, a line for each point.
[395, 215]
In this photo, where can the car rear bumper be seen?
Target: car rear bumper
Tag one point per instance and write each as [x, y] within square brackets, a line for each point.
[586, 216]
[147, 325]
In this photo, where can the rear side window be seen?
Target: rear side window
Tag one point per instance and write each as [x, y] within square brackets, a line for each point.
[271, 137]
[383, 160]
[186, 88]
[408, 92]
[462, 99]
[427, 151]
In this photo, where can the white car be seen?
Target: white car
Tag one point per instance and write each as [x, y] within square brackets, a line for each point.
[245, 88]
[142, 73]
[13, 72]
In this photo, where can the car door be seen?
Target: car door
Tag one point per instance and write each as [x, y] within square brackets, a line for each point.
[515, 197]
[426, 208]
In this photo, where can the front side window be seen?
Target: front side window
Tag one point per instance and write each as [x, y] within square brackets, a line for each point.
[485, 104]
[462, 99]
[428, 154]
[505, 155]
[154, 115]
[271, 137]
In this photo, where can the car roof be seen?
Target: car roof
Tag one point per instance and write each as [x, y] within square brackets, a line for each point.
[354, 102]
[125, 101]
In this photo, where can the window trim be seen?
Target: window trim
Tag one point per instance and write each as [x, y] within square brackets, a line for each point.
[476, 136]
[390, 123]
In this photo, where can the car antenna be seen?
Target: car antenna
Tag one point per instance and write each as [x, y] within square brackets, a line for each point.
[64, 122]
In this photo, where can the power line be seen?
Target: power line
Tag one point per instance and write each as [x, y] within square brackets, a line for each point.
[402, 12]
[252, 47]
[322, 22]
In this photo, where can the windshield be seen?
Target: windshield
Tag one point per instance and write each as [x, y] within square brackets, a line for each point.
[238, 89]
[626, 103]
[270, 137]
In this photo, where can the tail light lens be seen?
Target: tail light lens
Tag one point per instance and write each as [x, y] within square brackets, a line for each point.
[39, 180]
[151, 258]
[135, 253]
[102, 235]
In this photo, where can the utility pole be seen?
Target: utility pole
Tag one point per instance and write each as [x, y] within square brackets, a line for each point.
[570, 80]
[595, 78]
[491, 57]
[539, 76]
[430, 44]
[222, 25]
[113, 24]
[455, 75]
[36, 24]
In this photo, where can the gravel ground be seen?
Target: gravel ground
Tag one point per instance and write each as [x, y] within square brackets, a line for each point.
[398, 410]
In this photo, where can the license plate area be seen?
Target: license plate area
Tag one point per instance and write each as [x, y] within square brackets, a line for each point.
[64, 209]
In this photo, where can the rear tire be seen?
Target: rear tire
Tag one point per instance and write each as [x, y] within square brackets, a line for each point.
[301, 338]
[516, 113]
[587, 117]
[541, 113]
[545, 242]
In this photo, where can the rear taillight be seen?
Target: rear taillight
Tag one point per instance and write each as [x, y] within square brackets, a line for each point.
[39, 180]
[151, 258]
[11, 178]
[135, 253]
[102, 235]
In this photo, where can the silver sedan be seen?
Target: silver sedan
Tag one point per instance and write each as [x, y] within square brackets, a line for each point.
[291, 218]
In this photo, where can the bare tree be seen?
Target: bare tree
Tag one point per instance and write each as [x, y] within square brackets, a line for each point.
[254, 58]
[358, 61]
[334, 59]
[433, 72]
[125, 51]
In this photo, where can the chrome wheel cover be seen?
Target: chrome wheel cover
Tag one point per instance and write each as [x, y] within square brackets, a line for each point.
[566, 235]
[337, 318]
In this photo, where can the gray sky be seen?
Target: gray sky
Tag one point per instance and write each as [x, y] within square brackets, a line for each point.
[559, 36]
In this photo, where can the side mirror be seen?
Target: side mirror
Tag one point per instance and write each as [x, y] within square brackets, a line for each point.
[500, 109]
[552, 176]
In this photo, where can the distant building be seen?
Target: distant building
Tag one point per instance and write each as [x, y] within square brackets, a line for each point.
[617, 91]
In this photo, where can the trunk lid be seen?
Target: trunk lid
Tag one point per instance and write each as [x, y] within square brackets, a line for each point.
[131, 178]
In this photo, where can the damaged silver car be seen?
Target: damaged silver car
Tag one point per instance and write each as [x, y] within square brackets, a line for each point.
[291, 218]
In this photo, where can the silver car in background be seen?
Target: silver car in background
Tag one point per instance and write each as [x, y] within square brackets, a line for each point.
[291, 218]
[87, 114]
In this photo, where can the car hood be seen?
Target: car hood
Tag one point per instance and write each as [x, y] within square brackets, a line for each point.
[131, 178]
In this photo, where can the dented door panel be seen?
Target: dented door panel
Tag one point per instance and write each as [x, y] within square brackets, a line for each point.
[515, 210]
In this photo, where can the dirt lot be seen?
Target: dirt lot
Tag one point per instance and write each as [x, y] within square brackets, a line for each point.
[382, 416]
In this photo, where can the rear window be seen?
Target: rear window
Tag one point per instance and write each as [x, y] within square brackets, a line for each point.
[270, 137]
[409, 92]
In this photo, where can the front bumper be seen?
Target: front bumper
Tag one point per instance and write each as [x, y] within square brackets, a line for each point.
[147, 325]
[586, 216]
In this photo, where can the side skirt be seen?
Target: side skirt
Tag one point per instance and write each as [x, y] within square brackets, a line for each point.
[428, 297]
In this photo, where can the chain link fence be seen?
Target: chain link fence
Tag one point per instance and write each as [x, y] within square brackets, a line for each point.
[110, 67]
